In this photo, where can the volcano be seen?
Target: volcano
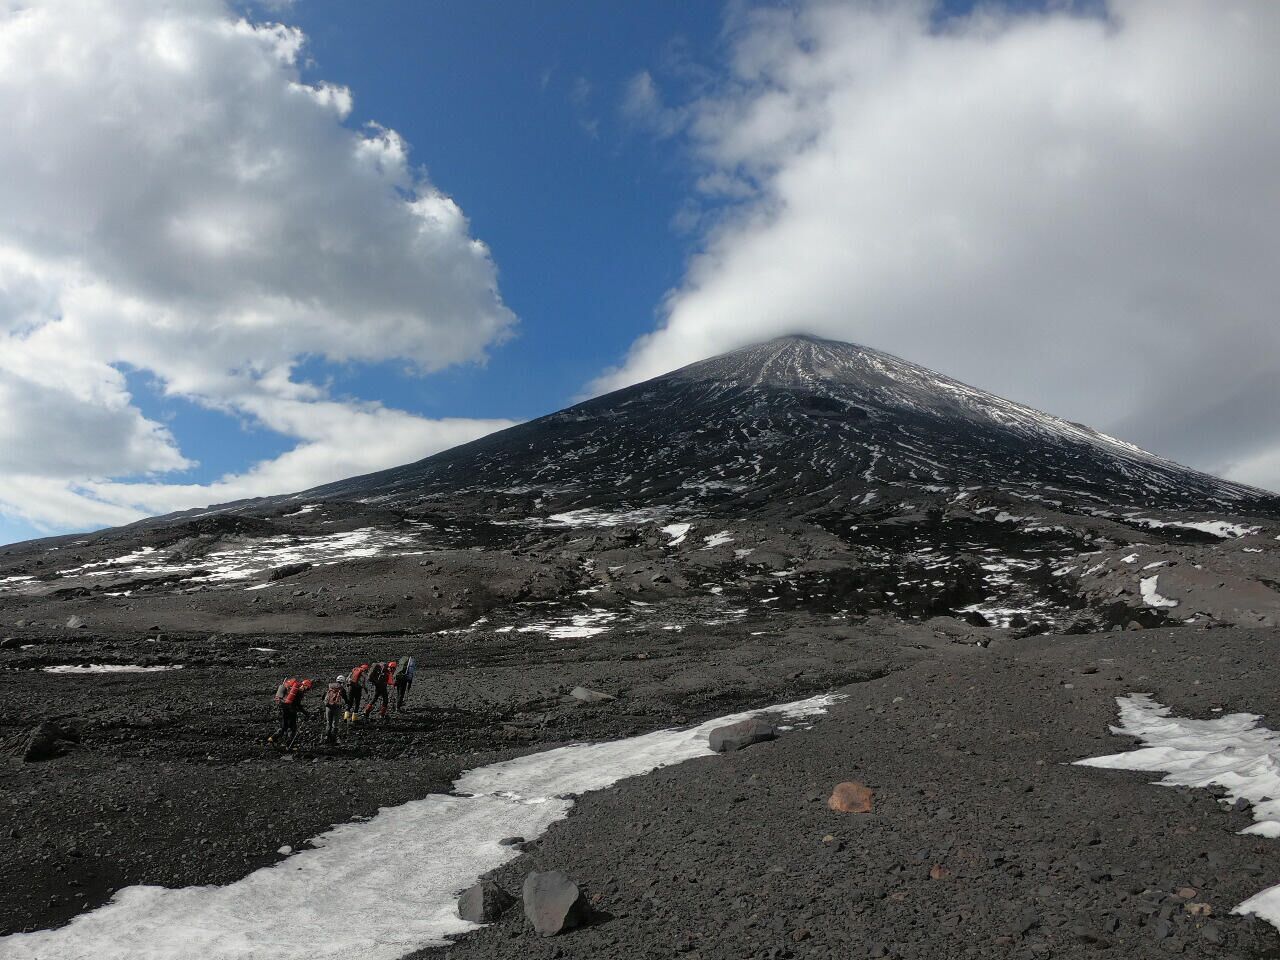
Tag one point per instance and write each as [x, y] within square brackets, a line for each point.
[967, 582]
[852, 481]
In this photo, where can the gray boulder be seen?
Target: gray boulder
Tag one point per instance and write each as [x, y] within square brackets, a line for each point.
[744, 733]
[484, 902]
[288, 570]
[553, 903]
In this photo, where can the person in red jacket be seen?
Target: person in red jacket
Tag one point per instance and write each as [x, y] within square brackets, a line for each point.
[355, 690]
[289, 698]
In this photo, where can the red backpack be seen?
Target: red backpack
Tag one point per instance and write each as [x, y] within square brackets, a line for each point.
[284, 692]
[333, 696]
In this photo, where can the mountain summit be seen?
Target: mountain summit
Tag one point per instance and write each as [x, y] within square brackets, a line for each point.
[801, 416]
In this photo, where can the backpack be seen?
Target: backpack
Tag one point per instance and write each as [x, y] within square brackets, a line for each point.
[333, 696]
[402, 668]
[294, 694]
[357, 675]
[284, 690]
[378, 673]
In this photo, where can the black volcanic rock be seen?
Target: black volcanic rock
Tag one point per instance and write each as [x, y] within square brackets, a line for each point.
[737, 736]
[46, 741]
[484, 902]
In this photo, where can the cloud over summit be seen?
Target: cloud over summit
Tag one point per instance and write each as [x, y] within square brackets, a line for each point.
[1076, 211]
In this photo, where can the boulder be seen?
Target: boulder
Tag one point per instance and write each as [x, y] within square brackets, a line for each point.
[583, 695]
[851, 797]
[288, 570]
[744, 733]
[46, 741]
[484, 902]
[553, 903]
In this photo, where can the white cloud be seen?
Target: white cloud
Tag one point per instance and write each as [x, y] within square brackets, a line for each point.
[339, 440]
[177, 199]
[1077, 212]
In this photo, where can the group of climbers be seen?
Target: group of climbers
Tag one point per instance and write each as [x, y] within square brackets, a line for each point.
[343, 696]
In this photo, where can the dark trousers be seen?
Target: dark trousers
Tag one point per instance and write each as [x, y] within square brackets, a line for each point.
[354, 692]
[402, 688]
[288, 724]
[332, 715]
[379, 693]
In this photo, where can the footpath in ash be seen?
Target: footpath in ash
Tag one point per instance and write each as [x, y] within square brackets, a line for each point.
[983, 840]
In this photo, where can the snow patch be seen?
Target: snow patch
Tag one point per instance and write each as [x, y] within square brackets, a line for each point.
[1151, 596]
[677, 532]
[587, 517]
[1230, 751]
[1218, 528]
[249, 559]
[579, 625]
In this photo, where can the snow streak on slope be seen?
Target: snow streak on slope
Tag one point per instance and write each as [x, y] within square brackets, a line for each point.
[1233, 752]
[245, 560]
[375, 890]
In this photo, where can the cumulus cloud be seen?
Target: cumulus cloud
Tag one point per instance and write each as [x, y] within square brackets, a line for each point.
[1079, 211]
[177, 199]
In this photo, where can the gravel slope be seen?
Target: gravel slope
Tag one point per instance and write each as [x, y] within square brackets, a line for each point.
[174, 784]
[725, 857]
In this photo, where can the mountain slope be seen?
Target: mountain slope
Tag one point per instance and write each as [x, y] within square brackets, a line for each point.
[803, 416]
[818, 476]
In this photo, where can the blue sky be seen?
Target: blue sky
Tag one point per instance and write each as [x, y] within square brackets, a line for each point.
[521, 126]
[233, 280]
[513, 110]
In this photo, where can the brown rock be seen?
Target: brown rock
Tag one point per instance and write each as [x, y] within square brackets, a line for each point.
[851, 797]
[939, 871]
